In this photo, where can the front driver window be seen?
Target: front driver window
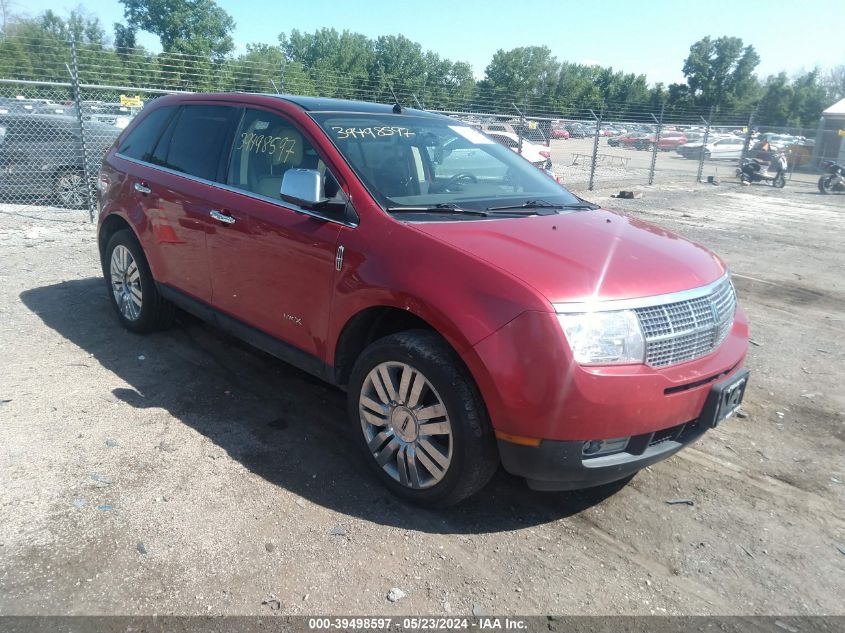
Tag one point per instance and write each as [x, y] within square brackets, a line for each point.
[265, 147]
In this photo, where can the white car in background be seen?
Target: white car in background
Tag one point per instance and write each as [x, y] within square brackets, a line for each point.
[539, 155]
[727, 148]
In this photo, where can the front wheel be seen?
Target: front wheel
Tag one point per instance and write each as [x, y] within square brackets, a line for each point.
[420, 420]
[779, 181]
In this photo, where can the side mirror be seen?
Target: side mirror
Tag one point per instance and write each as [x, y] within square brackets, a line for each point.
[303, 187]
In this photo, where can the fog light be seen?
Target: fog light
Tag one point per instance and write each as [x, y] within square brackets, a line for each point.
[595, 448]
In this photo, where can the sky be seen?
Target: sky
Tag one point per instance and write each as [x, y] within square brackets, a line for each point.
[650, 37]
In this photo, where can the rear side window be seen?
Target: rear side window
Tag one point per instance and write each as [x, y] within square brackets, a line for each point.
[197, 140]
[141, 141]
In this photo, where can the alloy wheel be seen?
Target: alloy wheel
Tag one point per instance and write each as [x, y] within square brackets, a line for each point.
[405, 424]
[126, 283]
[70, 188]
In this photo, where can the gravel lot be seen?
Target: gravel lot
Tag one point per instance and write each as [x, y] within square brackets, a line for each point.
[627, 166]
[185, 473]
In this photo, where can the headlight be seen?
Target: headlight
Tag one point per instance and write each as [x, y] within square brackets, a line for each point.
[603, 338]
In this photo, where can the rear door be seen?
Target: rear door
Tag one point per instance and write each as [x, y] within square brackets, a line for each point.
[173, 185]
[272, 263]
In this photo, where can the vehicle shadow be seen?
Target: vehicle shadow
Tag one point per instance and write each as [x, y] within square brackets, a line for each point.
[279, 422]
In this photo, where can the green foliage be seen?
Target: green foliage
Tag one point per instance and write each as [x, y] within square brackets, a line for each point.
[192, 27]
[792, 103]
[720, 73]
[197, 55]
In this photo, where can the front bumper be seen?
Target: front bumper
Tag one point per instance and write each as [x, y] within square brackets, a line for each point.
[533, 388]
[560, 465]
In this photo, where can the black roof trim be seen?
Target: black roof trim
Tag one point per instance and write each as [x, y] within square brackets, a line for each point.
[326, 104]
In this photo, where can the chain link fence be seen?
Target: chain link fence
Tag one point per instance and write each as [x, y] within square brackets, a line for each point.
[54, 132]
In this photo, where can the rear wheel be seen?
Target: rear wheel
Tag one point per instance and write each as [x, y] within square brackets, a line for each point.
[825, 184]
[132, 289]
[420, 420]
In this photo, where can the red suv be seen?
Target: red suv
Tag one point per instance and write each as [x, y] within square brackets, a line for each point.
[474, 310]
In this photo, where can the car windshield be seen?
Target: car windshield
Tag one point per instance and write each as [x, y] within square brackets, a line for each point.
[419, 161]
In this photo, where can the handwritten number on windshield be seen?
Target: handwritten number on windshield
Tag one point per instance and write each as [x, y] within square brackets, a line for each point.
[378, 131]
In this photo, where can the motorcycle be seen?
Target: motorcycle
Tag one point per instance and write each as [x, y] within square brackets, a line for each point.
[834, 180]
[751, 170]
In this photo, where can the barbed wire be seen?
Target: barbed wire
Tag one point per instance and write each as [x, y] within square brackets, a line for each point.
[193, 72]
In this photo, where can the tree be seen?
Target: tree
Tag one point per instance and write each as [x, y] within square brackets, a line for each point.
[5, 14]
[834, 83]
[124, 39]
[260, 69]
[193, 27]
[720, 73]
[528, 72]
[794, 103]
[337, 62]
[351, 65]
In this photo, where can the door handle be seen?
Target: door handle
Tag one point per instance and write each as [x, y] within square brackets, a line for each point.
[222, 217]
[142, 188]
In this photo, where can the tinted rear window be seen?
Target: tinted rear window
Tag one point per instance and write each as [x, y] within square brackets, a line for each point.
[199, 138]
[141, 141]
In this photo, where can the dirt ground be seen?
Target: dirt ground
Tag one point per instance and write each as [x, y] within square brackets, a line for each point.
[185, 473]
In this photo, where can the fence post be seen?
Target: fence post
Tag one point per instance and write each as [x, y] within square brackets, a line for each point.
[747, 143]
[656, 143]
[595, 146]
[704, 144]
[77, 100]
[521, 129]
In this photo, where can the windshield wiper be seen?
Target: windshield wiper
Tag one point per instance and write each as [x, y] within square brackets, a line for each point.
[443, 207]
[528, 204]
[542, 204]
[580, 205]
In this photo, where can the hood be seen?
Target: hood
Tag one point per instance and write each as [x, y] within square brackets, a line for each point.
[585, 254]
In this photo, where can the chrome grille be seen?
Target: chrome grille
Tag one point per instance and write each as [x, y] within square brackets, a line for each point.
[686, 330]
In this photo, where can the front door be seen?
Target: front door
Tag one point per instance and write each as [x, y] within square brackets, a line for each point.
[272, 266]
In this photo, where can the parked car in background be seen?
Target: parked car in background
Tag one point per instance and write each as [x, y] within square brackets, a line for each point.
[531, 133]
[722, 148]
[538, 155]
[694, 136]
[534, 134]
[560, 132]
[668, 141]
[110, 113]
[628, 140]
[470, 320]
[579, 130]
[41, 157]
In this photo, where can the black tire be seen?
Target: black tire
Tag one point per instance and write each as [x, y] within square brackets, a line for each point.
[474, 456]
[824, 184]
[779, 181]
[156, 313]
